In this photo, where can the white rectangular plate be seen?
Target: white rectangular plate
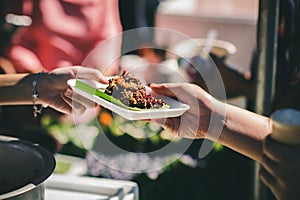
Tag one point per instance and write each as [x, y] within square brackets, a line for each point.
[87, 88]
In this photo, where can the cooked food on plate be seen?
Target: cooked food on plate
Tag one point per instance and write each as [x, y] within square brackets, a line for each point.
[131, 92]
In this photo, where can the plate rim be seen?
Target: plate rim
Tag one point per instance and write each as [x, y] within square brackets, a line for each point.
[127, 113]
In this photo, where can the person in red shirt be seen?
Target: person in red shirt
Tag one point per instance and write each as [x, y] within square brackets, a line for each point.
[62, 33]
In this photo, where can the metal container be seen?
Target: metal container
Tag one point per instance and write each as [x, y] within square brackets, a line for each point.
[24, 167]
[286, 126]
[32, 193]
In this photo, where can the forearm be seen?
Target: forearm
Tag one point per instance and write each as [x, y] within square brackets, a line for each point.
[10, 79]
[244, 131]
[16, 89]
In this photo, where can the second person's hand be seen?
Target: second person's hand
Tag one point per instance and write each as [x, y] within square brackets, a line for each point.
[195, 122]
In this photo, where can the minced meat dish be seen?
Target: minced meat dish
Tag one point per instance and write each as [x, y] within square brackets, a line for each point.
[131, 92]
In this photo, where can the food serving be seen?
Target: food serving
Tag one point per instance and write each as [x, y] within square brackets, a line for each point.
[126, 96]
[131, 92]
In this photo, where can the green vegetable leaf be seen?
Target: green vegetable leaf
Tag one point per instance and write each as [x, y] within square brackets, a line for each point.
[89, 89]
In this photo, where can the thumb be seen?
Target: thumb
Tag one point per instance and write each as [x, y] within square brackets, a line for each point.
[90, 74]
[165, 89]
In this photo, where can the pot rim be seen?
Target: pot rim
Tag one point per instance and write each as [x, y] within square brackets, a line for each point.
[18, 191]
[49, 160]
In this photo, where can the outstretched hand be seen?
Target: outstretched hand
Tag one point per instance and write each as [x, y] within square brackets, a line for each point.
[55, 92]
[195, 122]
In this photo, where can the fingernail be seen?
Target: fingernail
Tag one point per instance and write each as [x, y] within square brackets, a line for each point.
[68, 93]
[154, 85]
[103, 79]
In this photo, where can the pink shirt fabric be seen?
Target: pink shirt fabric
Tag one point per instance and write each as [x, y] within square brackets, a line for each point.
[63, 32]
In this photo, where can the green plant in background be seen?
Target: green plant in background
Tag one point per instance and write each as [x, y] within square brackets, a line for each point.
[83, 136]
[221, 169]
[140, 131]
[199, 178]
[80, 137]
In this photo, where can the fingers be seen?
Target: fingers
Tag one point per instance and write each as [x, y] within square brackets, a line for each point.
[81, 73]
[276, 157]
[61, 104]
[57, 83]
[73, 106]
[270, 166]
[161, 121]
[183, 92]
[170, 124]
[77, 102]
[90, 74]
[268, 179]
[277, 151]
[189, 94]
[163, 89]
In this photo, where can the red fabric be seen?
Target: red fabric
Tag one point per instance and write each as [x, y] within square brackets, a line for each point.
[63, 32]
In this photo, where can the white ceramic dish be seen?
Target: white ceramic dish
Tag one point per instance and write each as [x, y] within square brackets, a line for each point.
[89, 90]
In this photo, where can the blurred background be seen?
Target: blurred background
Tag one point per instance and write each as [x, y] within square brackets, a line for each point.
[223, 173]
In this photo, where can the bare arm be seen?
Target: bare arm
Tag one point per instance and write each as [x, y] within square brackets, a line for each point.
[12, 92]
[243, 131]
[52, 87]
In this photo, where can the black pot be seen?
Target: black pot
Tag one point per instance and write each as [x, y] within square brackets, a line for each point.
[24, 167]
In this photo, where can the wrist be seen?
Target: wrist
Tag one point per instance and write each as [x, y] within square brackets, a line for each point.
[244, 131]
[218, 118]
[37, 90]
